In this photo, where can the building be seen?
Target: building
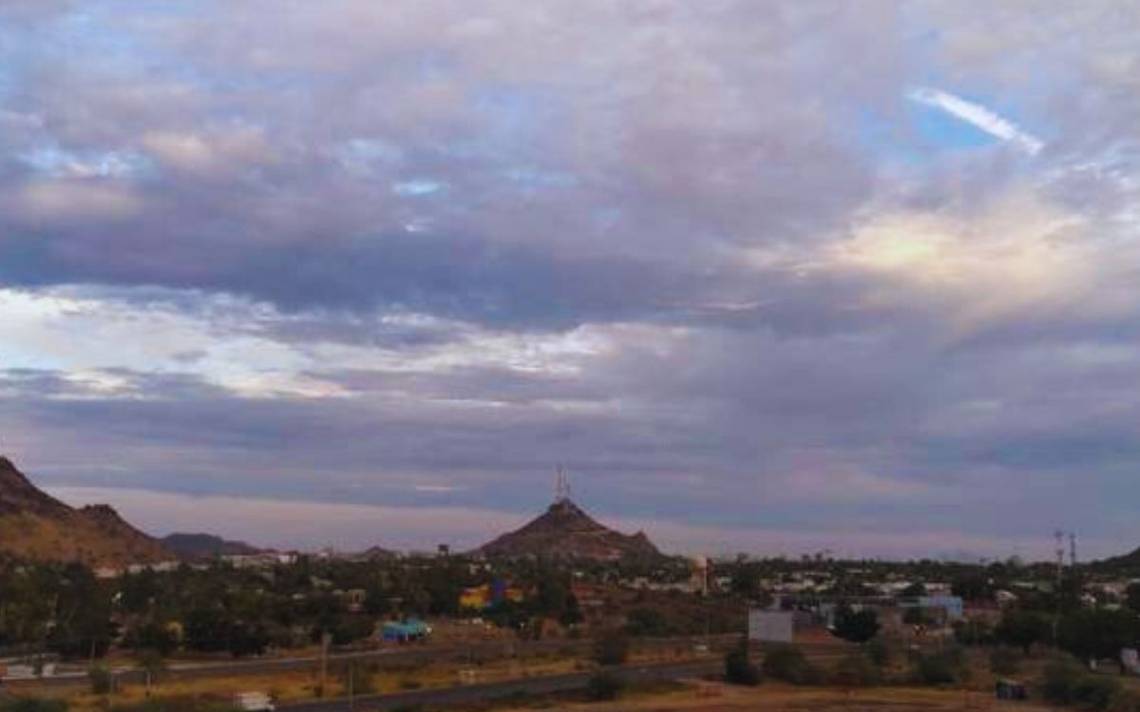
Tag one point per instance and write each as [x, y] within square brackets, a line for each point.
[405, 631]
[489, 594]
[770, 626]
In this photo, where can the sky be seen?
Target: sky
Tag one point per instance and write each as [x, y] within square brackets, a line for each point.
[769, 277]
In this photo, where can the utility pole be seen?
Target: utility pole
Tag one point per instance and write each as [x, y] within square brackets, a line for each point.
[1059, 536]
[326, 638]
[1073, 549]
[351, 684]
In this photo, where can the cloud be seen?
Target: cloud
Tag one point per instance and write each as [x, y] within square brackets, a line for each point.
[700, 253]
[978, 116]
[66, 202]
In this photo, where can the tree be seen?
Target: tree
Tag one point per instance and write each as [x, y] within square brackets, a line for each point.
[915, 590]
[247, 639]
[207, 630]
[788, 663]
[101, 679]
[611, 648]
[1090, 634]
[1022, 629]
[152, 665]
[972, 587]
[855, 626]
[573, 614]
[83, 615]
[646, 622]
[745, 580]
[738, 667]
[153, 636]
[604, 686]
[1132, 597]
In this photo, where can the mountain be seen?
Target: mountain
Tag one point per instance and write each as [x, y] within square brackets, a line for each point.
[1124, 562]
[205, 546]
[565, 531]
[35, 525]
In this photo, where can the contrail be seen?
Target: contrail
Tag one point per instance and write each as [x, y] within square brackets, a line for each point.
[979, 116]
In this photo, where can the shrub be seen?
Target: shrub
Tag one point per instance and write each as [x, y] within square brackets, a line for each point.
[787, 663]
[1059, 681]
[180, 703]
[855, 626]
[33, 704]
[855, 670]
[646, 622]
[1004, 661]
[738, 667]
[358, 677]
[611, 648]
[973, 632]
[1124, 701]
[1095, 691]
[934, 670]
[878, 652]
[101, 679]
[1022, 629]
[604, 686]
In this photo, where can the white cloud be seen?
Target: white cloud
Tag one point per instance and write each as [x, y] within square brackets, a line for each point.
[978, 116]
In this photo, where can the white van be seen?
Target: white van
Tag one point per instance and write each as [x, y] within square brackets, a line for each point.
[254, 702]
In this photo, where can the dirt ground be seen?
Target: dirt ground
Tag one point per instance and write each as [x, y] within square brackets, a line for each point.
[780, 698]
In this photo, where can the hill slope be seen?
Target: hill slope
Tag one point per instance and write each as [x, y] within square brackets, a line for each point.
[34, 525]
[205, 546]
[565, 531]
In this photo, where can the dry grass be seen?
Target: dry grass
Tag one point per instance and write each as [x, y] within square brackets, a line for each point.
[779, 698]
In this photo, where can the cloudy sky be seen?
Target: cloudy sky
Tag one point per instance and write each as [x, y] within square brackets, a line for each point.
[768, 277]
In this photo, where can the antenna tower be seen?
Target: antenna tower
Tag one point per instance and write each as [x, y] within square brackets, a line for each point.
[1059, 536]
[561, 486]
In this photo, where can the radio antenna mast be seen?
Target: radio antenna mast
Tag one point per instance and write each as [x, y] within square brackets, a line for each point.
[561, 486]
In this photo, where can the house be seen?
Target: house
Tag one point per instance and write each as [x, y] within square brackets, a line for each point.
[489, 594]
[354, 599]
[405, 631]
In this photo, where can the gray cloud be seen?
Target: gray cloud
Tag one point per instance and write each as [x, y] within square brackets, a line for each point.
[709, 255]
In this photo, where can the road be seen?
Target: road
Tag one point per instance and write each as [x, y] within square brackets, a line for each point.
[403, 655]
[547, 685]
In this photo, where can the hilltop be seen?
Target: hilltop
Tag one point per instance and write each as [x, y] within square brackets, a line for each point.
[565, 531]
[35, 525]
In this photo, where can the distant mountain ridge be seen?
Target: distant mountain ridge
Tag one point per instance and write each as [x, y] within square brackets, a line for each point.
[199, 545]
[565, 531]
[35, 525]
[1130, 561]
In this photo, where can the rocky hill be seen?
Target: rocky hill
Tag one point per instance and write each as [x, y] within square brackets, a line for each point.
[565, 531]
[34, 525]
[198, 546]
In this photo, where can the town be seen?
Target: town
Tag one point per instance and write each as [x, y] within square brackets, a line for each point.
[227, 623]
